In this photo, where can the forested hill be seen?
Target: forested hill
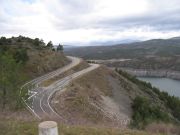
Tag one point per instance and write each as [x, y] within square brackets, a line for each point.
[36, 56]
[22, 59]
[150, 48]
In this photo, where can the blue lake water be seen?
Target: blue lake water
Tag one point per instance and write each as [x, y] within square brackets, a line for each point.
[164, 84]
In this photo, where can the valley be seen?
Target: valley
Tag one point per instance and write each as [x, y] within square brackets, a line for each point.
[152, 58]
[89, 67]
[74, 92]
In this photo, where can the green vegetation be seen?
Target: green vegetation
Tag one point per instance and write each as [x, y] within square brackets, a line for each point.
[60, 48]
[12, 61]
[171, 103]
[39, 43]
[19, 54]
[10, 80]
[3, 41]
[22, 58]
[144, 113]
[18, 128]
[50, 44]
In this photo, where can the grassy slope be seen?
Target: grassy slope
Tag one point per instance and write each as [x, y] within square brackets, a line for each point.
[31, 128]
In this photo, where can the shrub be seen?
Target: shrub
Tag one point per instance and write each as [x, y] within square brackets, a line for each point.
[50, 44]
[21, 56]
[60, 48]
[144, 113]
[10, 80]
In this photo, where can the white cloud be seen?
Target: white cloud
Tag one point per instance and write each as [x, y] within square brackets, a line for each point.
[84, 21]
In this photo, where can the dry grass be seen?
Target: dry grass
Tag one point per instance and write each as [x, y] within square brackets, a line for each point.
[31, 128]
[82, 102]
[16, 115]
[43, 61]
[97, 79]
[77, 68]
[83, 130]
[161, 128]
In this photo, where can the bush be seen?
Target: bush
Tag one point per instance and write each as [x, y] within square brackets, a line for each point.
[21, 56]
[10, 79]
[38, 43]
[5, 41]
[145, 113]
[171, 102]
[50, 44]
[60, 48]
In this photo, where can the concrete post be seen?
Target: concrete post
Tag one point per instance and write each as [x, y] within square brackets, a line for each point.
[48, 128]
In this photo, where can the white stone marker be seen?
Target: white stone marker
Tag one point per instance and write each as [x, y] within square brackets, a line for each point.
[48, 128]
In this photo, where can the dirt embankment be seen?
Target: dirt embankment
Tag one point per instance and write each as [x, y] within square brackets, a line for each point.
[97, 98]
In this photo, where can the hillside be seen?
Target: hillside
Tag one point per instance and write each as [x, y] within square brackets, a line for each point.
[155, 47]
[151, 54]
[101, 101]
[22, 59]
[37, 58]
[105, 98]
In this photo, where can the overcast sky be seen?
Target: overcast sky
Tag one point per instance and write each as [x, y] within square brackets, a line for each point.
[87, 21]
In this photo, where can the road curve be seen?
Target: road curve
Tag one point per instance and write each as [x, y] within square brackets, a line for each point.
[33, 85]
[44, 100]
[39, 98]
[74, 61]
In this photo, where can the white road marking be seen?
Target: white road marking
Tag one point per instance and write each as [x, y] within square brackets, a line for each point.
[38, 92]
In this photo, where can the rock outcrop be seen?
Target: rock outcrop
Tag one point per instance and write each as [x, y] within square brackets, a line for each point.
[153, 73]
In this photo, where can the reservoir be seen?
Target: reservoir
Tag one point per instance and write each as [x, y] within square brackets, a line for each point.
[164, 84]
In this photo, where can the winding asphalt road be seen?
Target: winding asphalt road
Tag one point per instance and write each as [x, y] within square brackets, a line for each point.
[39, 98]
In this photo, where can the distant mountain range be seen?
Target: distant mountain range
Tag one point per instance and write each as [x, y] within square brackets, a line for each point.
[111, 42]
[154, 47]
[101, 43]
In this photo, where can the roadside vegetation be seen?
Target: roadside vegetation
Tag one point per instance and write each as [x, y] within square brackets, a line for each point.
[11, 78]
[18, 58]
[146, 111]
